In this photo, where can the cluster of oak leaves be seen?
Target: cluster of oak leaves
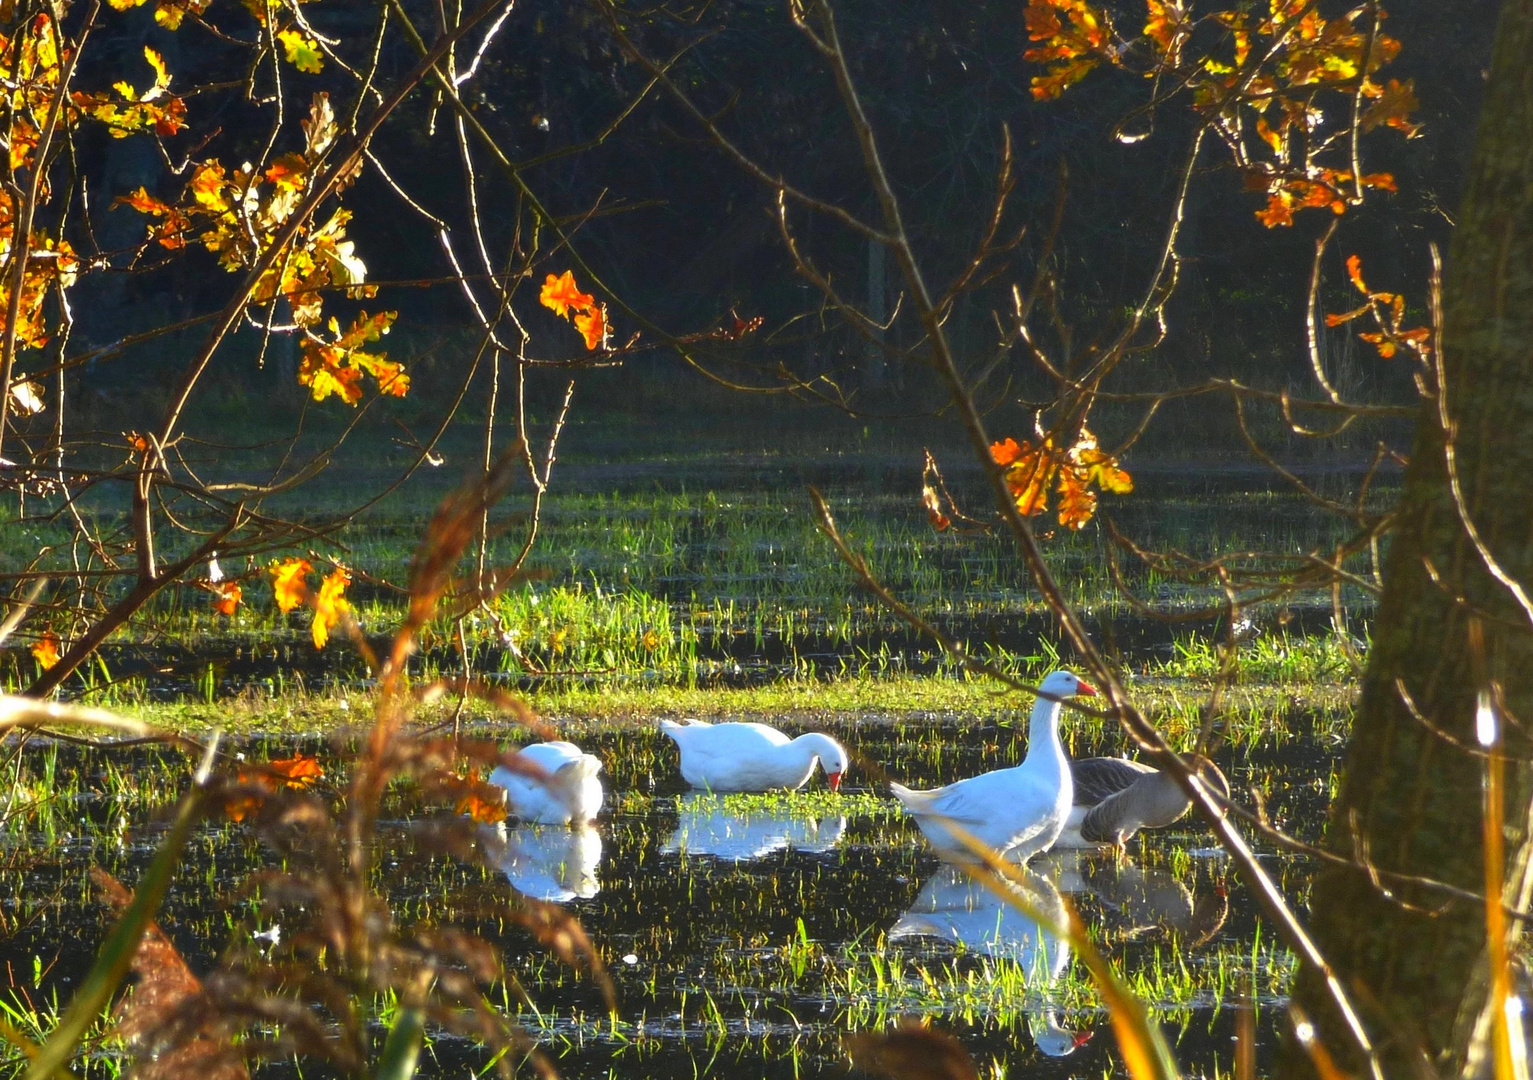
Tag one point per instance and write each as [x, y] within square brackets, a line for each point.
[236, 213]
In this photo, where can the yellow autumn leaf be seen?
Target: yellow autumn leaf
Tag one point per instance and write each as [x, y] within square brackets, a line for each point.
[302, 51]
[288, 584]
[45, 650]
[329, 605]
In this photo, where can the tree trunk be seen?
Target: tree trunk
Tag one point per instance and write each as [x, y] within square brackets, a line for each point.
[1411, 799]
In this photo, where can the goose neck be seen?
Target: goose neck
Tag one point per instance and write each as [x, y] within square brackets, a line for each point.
[812, 745]
[1043, 729]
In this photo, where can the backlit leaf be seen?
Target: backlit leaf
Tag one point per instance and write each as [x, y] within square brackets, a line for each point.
[320, 128]
[302, 51]
[560, 294]
[288, 584]
[296, 773]
[592, 324]
[1004, 453]
[330, 605]
[45, 650]
[933, 503]
[26, 397]
[1355, 272]
[226, 597]
[1392, 107]
[161, 76]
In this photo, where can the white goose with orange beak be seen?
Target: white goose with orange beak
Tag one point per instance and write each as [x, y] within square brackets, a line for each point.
[752, 757]
[1018, 812]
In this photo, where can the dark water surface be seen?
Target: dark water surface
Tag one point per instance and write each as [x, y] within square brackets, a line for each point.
[742, 942]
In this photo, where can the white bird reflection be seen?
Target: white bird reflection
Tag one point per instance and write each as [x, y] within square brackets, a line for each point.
[955, 907]
[547, 862]
[706, 827]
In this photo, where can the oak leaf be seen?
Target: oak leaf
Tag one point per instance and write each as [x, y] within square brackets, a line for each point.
[592, 324]
[45, 650]
[330, 605]
[301, 51]
[288, 585]
[295, 772]
[560, 294]
[1392, 107]
[227, 596]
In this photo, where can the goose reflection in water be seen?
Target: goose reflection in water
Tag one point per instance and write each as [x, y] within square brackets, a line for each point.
[955, 907]
[707, 827]
[1136, 901]
[546, 862]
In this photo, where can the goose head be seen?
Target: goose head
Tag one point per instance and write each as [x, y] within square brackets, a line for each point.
[1062, 685]
[832, 756]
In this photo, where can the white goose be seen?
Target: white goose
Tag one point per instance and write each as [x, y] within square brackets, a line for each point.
[561, 788]
[752, 757]
[1018, 811]
[1115, 798]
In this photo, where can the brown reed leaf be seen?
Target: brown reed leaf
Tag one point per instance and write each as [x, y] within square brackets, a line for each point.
[167, 1017]
[561, 933]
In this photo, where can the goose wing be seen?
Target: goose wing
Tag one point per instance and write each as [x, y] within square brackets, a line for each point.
[1114, 817]
[970, 803]
[1101, 778]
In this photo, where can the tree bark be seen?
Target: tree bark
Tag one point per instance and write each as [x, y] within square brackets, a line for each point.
[1411, 798]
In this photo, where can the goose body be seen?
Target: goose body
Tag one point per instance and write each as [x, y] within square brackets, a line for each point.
[1018, 811]
[1115, 798]
[562, 788]
[752, 757]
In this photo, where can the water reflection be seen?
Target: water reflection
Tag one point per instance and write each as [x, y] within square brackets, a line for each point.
[547, 862]
[707, 827]
[1136, 901]
[955, 907]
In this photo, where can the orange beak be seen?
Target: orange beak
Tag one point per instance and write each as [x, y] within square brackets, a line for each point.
[834, 780]
[1084, 689]
[1082, 1037]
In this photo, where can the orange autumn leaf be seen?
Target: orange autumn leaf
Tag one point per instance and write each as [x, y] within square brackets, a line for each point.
[560, 294]
[227, 596]
[488, 811]
[1004, 453]
[137, 442]
[1031, 472]
[1077, 502]
[330, 605]
[288, 584]
[295, 772]
[1381, 342]
[45, 650]
[592, 324]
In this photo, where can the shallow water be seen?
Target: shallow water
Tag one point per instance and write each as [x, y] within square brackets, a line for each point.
[742, 938]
